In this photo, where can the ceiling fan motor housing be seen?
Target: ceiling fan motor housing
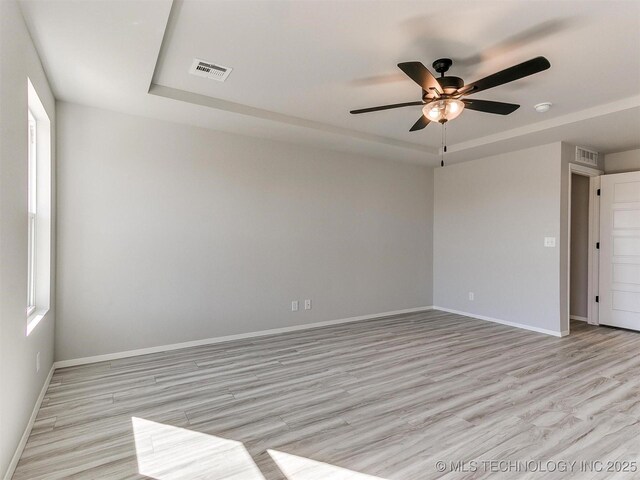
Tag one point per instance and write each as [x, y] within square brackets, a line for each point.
[449, 86]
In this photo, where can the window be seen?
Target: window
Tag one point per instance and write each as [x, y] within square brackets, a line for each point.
[32, 211]
[38, 210]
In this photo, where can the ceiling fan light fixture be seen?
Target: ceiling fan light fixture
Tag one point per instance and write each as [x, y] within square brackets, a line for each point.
[442, 95]
[443, 110]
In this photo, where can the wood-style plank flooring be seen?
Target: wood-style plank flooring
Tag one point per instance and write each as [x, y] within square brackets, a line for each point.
[379, 399]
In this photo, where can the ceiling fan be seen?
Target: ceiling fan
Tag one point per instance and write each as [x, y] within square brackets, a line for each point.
[443, 98]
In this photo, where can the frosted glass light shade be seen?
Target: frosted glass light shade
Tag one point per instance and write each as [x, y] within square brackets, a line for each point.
[443, 110]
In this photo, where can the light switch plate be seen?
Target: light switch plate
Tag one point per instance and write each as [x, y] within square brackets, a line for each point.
[549, 241]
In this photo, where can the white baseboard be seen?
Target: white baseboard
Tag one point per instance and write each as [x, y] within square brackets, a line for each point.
[555, 333]
[208, 341]
[27, 431]
[579, 318]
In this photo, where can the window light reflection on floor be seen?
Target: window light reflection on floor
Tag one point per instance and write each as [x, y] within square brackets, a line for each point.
[295, 467]
[166, 452]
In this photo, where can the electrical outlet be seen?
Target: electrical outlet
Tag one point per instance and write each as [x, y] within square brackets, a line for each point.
[472, 296]
[307, 304]
[294, 306]
[38, 362]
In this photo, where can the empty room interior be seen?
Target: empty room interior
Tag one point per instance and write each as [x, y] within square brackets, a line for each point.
[319, 239]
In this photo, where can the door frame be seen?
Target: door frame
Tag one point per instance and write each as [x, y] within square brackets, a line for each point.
[594, 236]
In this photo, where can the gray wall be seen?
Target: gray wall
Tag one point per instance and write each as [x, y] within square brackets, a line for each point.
[620, 162]
[170, 233]
[491, 217]
[20, 382]
[578, 303]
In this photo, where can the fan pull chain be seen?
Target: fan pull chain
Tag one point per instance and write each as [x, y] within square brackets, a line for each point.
[443, 144]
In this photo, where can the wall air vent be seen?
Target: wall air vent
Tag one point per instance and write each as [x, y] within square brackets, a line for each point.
[209, 70]
[586, 156]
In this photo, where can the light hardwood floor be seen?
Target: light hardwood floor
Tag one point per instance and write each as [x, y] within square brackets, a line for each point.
[384, 398]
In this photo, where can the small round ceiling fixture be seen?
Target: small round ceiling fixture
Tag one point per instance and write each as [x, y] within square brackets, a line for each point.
[543, 107]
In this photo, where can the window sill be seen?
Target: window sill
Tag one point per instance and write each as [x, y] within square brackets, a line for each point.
[34, 319]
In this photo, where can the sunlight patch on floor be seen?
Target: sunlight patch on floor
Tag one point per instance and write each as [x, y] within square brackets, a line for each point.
[166, 452]
[301, 468]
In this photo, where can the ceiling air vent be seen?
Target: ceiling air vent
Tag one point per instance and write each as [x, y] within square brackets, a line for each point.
[209, 70]
[586, 156]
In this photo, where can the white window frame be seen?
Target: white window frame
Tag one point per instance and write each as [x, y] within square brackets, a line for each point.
[39, 211]
[32, 213]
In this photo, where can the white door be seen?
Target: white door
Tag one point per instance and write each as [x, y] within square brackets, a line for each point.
[620, 250]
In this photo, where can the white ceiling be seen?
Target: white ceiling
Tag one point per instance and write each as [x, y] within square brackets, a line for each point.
[300, 66]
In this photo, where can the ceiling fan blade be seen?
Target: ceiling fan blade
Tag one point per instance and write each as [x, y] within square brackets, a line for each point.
[487, 106]
[510, 74]
[417, 72]
[420, 124]
[385, 107]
